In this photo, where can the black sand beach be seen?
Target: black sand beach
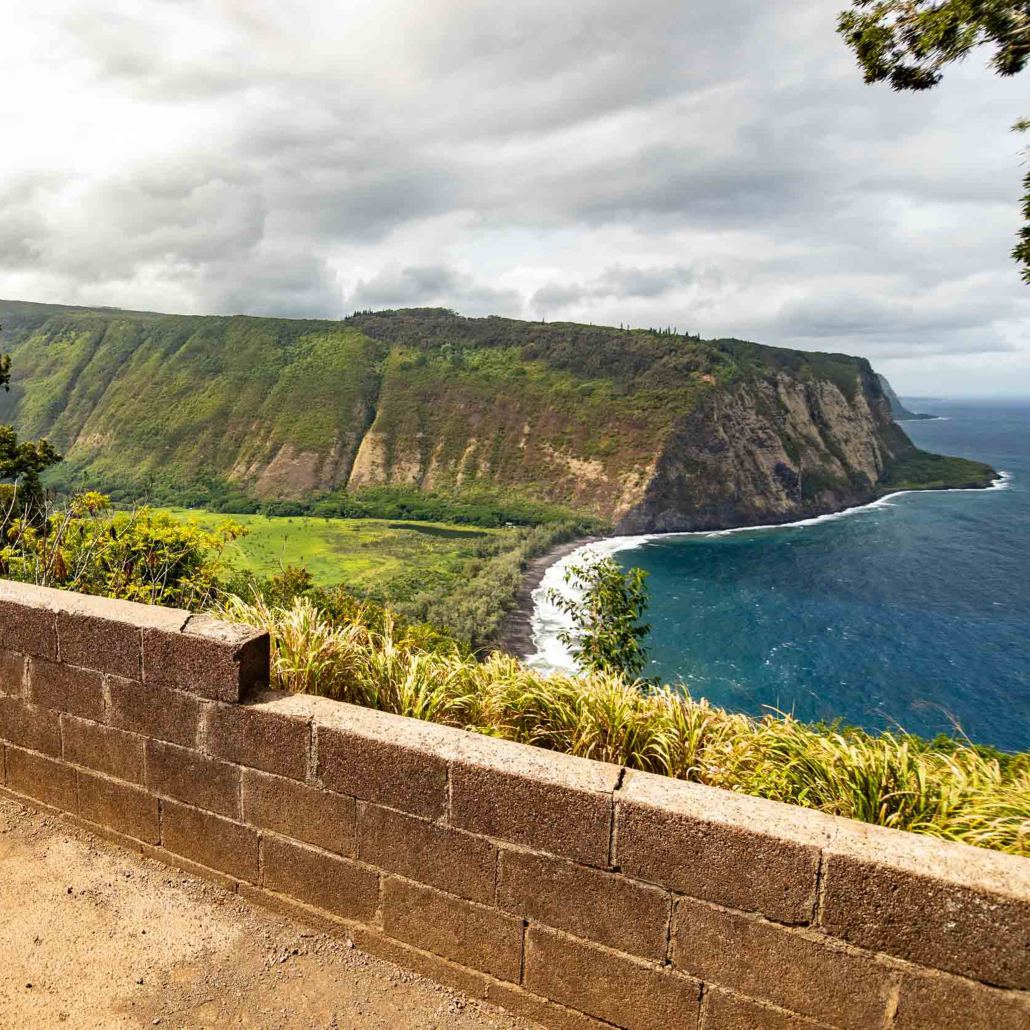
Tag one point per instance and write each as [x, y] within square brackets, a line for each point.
[516, 633]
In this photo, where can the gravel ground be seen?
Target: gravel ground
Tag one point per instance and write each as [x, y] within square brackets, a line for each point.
[98, 937]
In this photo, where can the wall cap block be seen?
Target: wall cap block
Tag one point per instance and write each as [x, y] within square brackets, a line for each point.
[539, 799]
[399, 730]
[534, 763]
[66, 601]
[942, 905]
[213, 659]
[960, 865]
[232, 634]
[727, 808]
[747, 853]
[30, 595]
[386, 759]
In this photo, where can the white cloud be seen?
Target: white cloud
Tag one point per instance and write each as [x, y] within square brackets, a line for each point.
[722, 169]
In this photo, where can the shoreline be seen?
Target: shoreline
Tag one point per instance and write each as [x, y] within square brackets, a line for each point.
[515, 636]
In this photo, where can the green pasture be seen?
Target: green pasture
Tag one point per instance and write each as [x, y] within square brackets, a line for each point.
[368, 553]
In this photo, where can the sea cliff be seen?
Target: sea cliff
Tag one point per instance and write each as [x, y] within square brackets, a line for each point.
[649, 431]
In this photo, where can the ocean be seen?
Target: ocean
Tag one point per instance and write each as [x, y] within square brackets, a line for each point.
[911, 613]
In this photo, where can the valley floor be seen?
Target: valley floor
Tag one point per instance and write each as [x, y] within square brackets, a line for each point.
[368, 554]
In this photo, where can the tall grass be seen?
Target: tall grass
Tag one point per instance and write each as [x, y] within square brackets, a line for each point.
[956, 792]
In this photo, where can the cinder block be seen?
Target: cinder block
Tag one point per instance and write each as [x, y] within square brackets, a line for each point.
[443, 971]
[168, 715]
[628, 992]
[315, 816]
[12, 674]
[105, 833]
[103, 749]
[103, 633]
[41, 778]
[259, 736]
[541, 800]
[210, 658]
[799, 970]
[66, 688]
[38, 729]
[210, 840]
[473, 935]
[386, 759]
[189, 776]
[119, 807]
[232, 884]
[298, 911]
[540, 1010]
[741, 852]
[948, 906]
[606, 908]
[93, 642]
[28, 619]
[936, 1001]
[459, 863]
[724, 1010]
[341, 887]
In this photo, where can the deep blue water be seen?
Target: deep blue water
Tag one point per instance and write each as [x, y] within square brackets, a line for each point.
[915, 613]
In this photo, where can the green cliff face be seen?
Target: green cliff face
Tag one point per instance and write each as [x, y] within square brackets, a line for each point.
[652, 431]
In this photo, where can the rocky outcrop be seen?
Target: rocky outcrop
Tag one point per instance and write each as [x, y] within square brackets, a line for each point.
[898, 410]
[769, 452]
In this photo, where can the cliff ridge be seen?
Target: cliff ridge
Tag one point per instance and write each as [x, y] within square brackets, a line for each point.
[652, 431]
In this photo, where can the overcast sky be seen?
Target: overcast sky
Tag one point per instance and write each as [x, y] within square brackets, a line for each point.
[717, 167]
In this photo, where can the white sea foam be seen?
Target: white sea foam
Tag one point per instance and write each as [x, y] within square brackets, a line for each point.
[552, 655]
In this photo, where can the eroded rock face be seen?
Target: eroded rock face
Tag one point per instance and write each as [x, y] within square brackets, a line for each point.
[766, 453]
[761, 451]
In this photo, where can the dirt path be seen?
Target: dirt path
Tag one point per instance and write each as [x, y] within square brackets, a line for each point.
[96, 937]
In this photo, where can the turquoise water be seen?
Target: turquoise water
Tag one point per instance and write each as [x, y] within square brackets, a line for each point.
[912, 613]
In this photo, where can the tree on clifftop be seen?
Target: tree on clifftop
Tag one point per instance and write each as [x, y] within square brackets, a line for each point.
[21, 463]
[908, 42]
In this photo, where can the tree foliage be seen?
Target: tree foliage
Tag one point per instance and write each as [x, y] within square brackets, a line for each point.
[22, 463]
[908, 42]
[141, 555]
[608, 632]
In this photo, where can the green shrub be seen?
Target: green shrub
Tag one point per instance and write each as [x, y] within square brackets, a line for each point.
[137, 556]
[472, 610]
[922, 470]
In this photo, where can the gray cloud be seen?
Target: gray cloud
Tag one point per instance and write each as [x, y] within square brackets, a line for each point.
[721, 168]
[433, 285]
[287, 284]
[617, 282]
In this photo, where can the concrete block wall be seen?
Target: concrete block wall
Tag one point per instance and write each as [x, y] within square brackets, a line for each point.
[573, 892]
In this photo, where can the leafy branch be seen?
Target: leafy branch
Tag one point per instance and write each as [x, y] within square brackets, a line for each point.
[908, 42]
[608, 629]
